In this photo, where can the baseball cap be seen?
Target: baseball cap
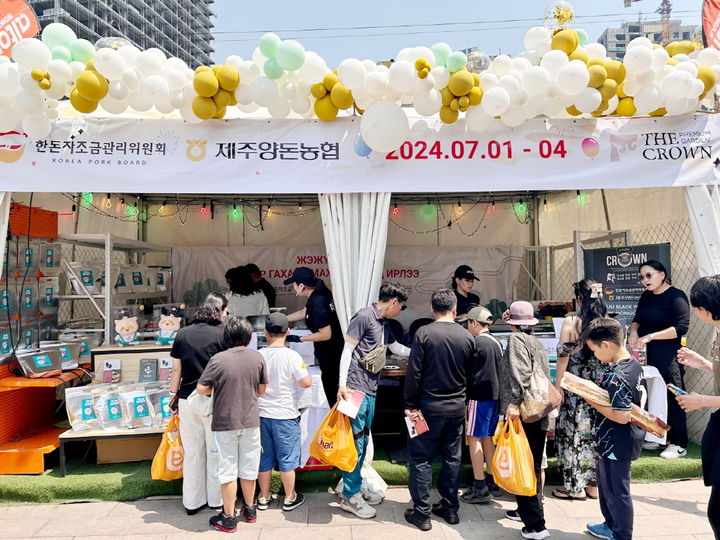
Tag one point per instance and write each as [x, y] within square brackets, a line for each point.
[481, 314]
[276, 323]
[465, 272]
[302, 275]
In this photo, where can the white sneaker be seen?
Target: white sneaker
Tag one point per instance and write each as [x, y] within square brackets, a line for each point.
[372, 498]
[357, 505]
[673, 451]
[534, 535]
[647, 445]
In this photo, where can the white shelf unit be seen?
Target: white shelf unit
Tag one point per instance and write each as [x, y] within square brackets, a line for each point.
[110, 243]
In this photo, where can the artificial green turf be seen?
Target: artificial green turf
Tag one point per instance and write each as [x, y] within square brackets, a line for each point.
[129, 481]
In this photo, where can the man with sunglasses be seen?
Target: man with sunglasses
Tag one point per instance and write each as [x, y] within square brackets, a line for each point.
[363, 358]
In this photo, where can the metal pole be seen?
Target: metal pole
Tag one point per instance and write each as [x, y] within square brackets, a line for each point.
[578, 252]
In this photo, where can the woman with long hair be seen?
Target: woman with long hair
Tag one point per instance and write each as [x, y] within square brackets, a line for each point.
[245, 297]
[192, 349]
[574, 440]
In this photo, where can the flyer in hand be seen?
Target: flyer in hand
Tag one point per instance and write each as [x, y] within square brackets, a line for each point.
[417, 427]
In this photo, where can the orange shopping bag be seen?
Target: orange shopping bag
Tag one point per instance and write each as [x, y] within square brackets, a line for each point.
[168, 461]
[334, 443]
[512, 464]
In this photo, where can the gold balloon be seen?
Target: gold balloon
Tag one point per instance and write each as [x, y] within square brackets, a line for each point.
[565, 40]
[671, 48]
[423, 73]
[463, 108]
[684, 47]
[329, 81]
[318, 90]
[200, 69]
[621, 90]
[81, 104]
[44, 84]
[600, 110]
[626, 107]
[672, 62]
[421, 63]
[455, 104]
[233, 101]
[447, 115]
[222, 99]
[708, 78]
[596, 62]
[341, 97]
[220, 112]
[659, 112]
[598, 75]
[608, 89]
[461, 82]
[90, 64]
[475, 95]
[228, 78]
[446, 95]
[37, 74]
[464, 102]
[325, 110]
[204, 107]
[91, 85]
[206, 84]
[615, 71]
[579, 54]
[476, 79]
[572, 110]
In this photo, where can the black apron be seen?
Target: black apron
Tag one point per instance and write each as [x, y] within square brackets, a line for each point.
[711, 451]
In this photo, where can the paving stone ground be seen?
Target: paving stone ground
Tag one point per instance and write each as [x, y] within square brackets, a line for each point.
[674, 510]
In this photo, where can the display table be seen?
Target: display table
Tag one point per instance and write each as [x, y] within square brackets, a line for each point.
[313, 406]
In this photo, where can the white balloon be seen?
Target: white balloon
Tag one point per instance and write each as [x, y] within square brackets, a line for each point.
[595, 50]
[688, 67]
[531, 56]
[60, 72]
[675, 107]
[314, 68]
[423, 86]
[37, 126]
[403, 55]
[188, 115]
[514, 117]
[640, 42]
[56, 91]
[697, 89]
[542, 48]
[369, 65]
[588, 100]
[148, 63]
[118, 91]
[351, 73]
[659, 58]
[677, 85]
[9, 80]
[31, 53]
[139, 101]
[29, 84]
[384, 126]
[252, 107]
[428, 104]
[520, 65]
[501, 65]
[279, 109]
[164, 107]
[264, 91]
[648, 99]
[555, 105]
[496, 101]
[258, 57]
[441, 75]
[376, 83]
[573, 77]
[553, 61]
[157, 53]
[249, 71]
[382, 68]
[510, 84]
[638, 59]
[109, 63]
[612, 105]
[52, 114]
[424, 53]
[27, 103]
[488, 80]
[156, 88]
[300, 104]
[536, 105]
[536, 80]
[129, 54]
[233, 60]
[520, 98]
[535, 36]
[177, 99]
[476, 120]
[632, 86]
[645, 78]
[114, 106]
[77, 68]
[130, 78]
[402, 76]
[8, 119]
[708, 57]
[174, 77]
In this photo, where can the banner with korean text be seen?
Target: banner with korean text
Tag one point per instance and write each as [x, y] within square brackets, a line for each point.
[298, 156]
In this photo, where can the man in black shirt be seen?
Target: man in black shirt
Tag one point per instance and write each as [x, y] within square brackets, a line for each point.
[265, 286]
[435, 385]
[463, 283]
[322, 320]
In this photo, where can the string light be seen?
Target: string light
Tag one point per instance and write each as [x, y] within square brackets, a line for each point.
[108, 202]
[299, 205]
[581, 198]
[122, 205]
[395, 210]
[460, 210]
[492, 204]
[545, 204]
[87, 198]
[204, 210]
[162, 206]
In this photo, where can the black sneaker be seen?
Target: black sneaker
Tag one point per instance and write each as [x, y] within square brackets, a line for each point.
[194, 510]
[513, 515]
[416, 518]
[248, 513]
[451, 516]
[491, 483]
[289, 506]
[476, 496]
[224, 523]
[263, 503]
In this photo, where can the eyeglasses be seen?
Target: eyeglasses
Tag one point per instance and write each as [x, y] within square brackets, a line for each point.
[647, 276]
[403, 305]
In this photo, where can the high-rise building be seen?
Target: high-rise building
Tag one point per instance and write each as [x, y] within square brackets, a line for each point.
[615, 40]
[181, 28]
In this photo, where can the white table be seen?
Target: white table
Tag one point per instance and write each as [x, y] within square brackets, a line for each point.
[313, 406]
[657, 399]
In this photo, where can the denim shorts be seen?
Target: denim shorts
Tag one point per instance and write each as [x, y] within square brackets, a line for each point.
[280, 441]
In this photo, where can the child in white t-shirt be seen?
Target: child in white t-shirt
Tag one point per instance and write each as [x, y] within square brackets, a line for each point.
[279, 416]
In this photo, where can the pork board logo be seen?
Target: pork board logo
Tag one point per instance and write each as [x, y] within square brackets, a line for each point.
[12, 146]
[195, 150]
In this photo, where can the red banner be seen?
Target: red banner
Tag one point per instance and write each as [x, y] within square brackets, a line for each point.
[711, 23]
[17, 21]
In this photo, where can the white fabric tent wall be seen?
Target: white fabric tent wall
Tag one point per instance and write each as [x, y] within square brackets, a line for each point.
[5, 197]
[703, 206]
[355, 230]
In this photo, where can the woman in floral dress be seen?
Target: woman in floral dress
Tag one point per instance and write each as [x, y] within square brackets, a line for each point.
[573, 429]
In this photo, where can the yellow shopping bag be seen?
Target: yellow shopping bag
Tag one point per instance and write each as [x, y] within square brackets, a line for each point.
[168, 461]
[334, 443]
[512, 464]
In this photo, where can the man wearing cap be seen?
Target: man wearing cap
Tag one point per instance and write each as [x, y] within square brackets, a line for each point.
[363, 357]
[322, 320]
[482, 412]
[279, 416]
[463, 283]
[262, 283]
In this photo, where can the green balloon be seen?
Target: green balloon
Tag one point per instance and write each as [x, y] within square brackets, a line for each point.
[58, 34]
[456, 61]
[582, 37]
[680, 57]
[441, 51]
[61, 53]
[290, 55]
[272, 70]
[268, 44]
[82, 50]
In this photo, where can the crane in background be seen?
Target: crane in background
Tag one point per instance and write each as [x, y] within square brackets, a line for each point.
[665, 11]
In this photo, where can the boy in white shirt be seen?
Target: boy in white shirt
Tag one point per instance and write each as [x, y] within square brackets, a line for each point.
[279, 416]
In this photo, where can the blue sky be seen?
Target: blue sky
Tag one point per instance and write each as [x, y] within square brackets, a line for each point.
[491, 25]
